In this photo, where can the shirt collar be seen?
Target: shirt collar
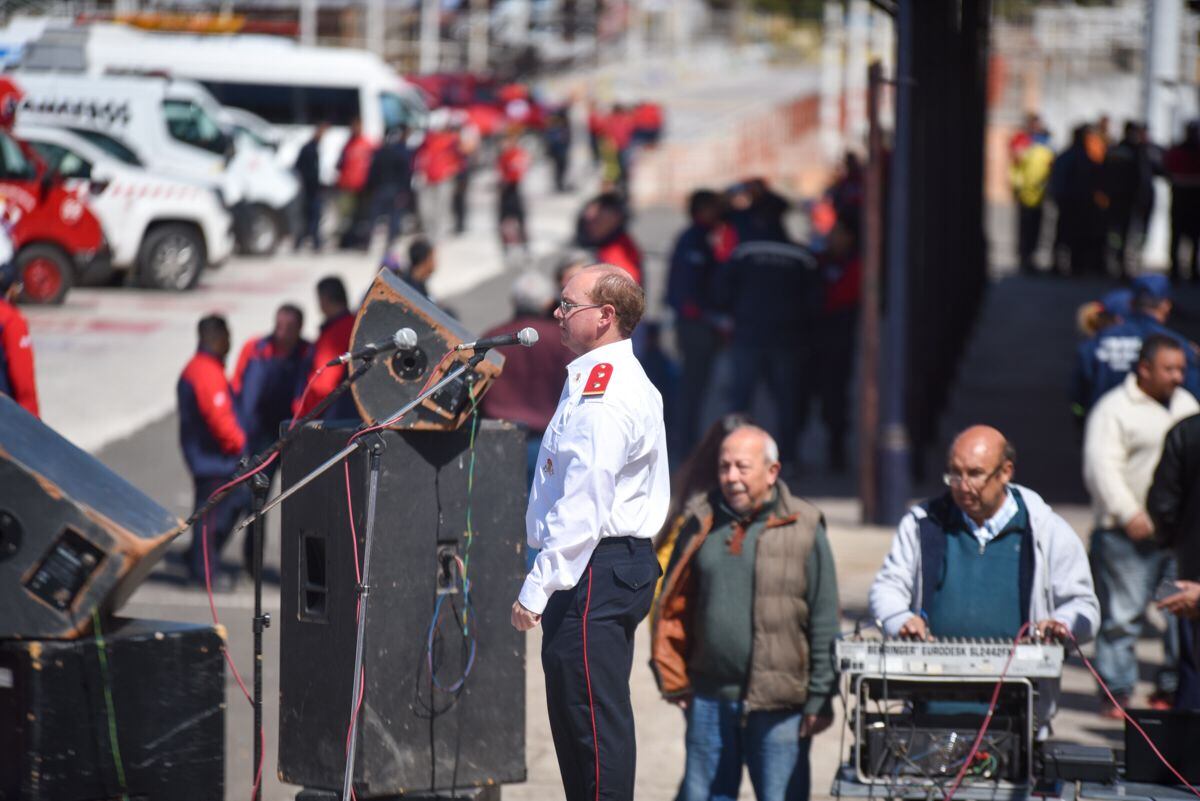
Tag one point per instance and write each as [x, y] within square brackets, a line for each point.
[996, 523]
[613, 351]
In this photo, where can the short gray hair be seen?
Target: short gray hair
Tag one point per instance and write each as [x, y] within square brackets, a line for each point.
[770, 448]
[532, 293]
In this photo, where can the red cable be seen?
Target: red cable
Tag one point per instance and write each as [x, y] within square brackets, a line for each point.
[996, 694]
[587, 673]
[212, 606]
[1131, 721]
[987, 720]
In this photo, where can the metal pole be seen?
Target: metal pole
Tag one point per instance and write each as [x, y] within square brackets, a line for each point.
[430, 36]
[308, 22]
[364, 590]
[259, 485]
[894, 446]
[871, 247]
[1160, 87]
[477, 45]
[376, 24]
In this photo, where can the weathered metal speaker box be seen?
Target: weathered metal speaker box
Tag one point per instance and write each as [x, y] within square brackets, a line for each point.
[400, 376]
[420, 729]
[74, 536]
[165, 686]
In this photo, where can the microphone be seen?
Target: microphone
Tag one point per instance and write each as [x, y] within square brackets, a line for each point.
[403, 339]
[526, 337]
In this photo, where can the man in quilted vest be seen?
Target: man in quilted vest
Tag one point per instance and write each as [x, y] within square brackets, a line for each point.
[744, 628]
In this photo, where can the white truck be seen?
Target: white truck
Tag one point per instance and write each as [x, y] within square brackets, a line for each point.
[288, 85]
[171, 127]
[162, 231]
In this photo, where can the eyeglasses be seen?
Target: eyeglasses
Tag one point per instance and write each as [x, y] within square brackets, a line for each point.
[566, 307]
[974, 480]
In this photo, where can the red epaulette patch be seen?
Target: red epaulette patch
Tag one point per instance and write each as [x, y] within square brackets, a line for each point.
[597, 380]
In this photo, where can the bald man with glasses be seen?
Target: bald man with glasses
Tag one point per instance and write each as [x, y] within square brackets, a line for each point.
[985, 558]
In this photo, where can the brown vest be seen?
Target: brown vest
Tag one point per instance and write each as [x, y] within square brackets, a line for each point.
[779, 659]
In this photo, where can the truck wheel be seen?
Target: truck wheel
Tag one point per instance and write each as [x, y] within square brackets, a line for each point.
[171, 257]
[260, 232]
[46, 273]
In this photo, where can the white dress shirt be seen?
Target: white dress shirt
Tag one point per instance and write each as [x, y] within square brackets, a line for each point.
[602, 469]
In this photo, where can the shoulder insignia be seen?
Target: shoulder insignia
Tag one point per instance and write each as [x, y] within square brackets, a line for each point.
[597, 380]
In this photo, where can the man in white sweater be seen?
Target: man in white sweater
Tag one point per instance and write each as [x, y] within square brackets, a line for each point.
[1122, 445]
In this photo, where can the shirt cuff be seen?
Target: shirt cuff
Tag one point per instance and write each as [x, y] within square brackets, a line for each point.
[532, 596]
[819, 705]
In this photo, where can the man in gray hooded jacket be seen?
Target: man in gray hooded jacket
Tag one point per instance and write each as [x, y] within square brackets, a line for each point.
[984, 559]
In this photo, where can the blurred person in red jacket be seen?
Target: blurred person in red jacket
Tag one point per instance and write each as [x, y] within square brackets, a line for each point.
[353, 165]
[512, 165]
[213, 442]
[16, 348]
[647, 123]
[333, 341]
[439, 160]
[528, 389]
[601, 228]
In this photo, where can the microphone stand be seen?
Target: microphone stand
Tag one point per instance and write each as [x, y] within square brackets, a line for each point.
[260, 484]
[363, 589]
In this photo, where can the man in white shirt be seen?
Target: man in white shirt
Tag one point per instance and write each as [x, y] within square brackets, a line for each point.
[600, 493]
[1122, 446]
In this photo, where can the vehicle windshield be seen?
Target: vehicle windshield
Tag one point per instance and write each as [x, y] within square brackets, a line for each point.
[110, 146]
[13, 164]
[190, 124]
[399, 111]
[65, 162]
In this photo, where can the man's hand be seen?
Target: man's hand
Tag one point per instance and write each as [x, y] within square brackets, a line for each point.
[522, 618]
[813, 725]
[1051, 629]
[915, 628]
[1185, 603]
[1139, 527]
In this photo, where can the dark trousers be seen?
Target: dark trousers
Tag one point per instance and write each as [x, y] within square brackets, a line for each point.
[220, 522]
[837, 336]
[587, 655]
[780, 369]
[1029, 231]
[311, 224]
[1185, 229]
[458, 200]
[698, 345]
[1187, 695]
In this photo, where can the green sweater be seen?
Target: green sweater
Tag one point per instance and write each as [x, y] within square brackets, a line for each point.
[719, 663]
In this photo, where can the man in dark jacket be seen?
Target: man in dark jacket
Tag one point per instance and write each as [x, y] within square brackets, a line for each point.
[389, 184]
[212, 442]
[270, 374]
[744, 626]
[1129, 170]
[308, 169]
[773, 289]
[690, 296]
[1174, 505]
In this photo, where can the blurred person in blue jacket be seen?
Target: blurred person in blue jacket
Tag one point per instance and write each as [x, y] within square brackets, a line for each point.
[269, 378]
[1105, 359]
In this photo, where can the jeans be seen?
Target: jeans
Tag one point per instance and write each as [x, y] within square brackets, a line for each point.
[767, 743]
[1127, 573]
[310, 225]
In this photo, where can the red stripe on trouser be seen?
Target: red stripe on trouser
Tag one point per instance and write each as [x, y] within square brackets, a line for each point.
[587, 673]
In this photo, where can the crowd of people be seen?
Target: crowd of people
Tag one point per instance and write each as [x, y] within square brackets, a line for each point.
[1102, 189]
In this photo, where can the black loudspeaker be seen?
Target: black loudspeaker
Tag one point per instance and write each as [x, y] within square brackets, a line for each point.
[400, 376]
[417, 732]
[165, 685]
[74, 536]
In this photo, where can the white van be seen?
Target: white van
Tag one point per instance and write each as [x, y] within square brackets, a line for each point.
[171, 127]
[291, 86]
[163, 231]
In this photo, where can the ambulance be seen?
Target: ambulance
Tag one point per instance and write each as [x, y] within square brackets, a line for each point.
[170, 126]
[162, 231]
